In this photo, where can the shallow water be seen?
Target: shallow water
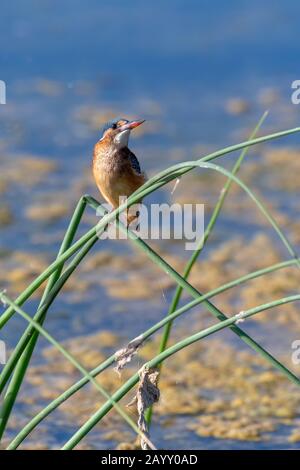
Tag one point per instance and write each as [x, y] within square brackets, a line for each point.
[70, 67]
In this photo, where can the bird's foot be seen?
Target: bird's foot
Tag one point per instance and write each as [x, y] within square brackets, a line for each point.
[133, 218]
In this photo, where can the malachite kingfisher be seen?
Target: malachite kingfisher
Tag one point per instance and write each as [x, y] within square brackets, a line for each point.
[116, 169]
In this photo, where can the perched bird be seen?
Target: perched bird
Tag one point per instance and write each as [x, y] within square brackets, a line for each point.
[116, 169]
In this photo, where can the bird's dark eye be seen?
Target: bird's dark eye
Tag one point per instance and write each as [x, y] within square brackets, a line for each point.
[114, 126]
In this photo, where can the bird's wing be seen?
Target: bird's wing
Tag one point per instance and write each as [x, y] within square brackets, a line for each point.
[134, 162]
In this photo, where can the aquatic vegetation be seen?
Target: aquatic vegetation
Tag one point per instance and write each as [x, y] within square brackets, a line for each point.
[237, 106]
[47, 211]
[6, 217]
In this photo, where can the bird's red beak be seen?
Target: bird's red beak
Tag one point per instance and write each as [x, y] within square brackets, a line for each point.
[131, 125]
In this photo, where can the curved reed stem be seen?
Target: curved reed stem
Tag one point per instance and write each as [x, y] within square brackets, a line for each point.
[195, 255]
[75, 363]
[125, 388]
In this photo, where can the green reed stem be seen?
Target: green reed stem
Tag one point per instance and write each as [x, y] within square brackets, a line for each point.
[75, 363]
[40, 314]
[188, 267]
[22, 353]
[52, 289]
[125, 388]
[181, 168]
[194, 292]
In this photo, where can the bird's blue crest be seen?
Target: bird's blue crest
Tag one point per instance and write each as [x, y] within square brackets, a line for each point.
[109, 124]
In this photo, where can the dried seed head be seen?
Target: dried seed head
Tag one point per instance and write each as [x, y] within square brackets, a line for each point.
[124, 355]
[147, 394]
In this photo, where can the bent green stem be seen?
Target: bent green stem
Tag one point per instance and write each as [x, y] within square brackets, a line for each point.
[75, 363]
[125, 388]
[213, 219]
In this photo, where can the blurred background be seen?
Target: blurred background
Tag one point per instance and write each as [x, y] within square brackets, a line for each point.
[201, 73]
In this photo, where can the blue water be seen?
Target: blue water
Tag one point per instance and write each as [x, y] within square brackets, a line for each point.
[187, 55]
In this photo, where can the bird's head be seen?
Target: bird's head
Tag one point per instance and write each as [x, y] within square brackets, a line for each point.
[117, 131]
